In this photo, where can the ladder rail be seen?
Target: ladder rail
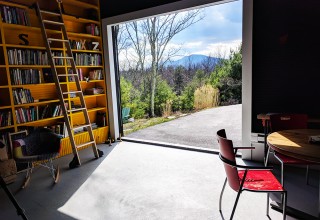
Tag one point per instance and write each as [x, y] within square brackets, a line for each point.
[65, 41]
[78, 85]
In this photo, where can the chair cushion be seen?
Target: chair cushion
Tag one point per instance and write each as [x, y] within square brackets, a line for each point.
[289, 160]
[260, 180]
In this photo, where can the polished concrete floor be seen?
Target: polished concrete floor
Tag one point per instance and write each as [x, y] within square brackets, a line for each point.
[137, 181]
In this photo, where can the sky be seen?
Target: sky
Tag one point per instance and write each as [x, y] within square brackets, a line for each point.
[219, 31]
[216, 34]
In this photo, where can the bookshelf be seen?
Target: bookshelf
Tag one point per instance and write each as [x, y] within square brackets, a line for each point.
[28, 96]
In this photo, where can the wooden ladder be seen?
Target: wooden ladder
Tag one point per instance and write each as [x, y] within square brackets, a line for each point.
[64, 103]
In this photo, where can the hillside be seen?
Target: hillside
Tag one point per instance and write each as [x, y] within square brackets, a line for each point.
[193, 59]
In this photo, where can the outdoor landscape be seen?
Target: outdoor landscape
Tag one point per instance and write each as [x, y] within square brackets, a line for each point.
[161, 78]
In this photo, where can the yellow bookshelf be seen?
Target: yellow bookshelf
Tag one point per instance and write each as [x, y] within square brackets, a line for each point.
[21, 42]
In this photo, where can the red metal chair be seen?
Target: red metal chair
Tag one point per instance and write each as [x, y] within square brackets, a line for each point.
[250, 178]
[279, 122]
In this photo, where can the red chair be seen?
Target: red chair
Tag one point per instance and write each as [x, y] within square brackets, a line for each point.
[279, 122]
[250, 178]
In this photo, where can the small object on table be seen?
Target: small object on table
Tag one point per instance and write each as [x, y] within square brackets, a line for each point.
[314, 139]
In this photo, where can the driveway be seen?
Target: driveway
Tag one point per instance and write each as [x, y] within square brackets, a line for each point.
[197, 129]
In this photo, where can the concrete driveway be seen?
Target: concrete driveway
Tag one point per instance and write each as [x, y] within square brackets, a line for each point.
[197, 129]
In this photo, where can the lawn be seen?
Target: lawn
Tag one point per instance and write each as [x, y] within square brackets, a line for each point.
[143, 123]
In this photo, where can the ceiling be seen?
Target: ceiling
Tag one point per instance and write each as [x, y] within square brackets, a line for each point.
[118, 7]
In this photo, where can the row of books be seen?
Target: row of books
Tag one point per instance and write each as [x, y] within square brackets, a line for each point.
[92, 29]
[34, 113]
[22, 96]
[14, 15]
[85, 59]
[27, 57]
[5, 119]
[84, 45]
[25, 76]
[59, 128]
[95, 75]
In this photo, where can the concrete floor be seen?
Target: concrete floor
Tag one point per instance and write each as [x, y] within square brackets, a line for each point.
[137, 181]
[197, 129]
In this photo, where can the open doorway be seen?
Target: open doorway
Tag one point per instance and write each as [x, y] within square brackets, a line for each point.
[184, 70]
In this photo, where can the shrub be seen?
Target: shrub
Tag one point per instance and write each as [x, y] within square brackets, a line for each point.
[206, 97]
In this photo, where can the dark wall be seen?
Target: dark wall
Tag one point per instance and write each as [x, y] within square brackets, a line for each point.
[118, 7]
[286, 58]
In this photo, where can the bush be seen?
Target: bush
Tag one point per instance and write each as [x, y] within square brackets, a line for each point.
[206, 97]
[163, 94]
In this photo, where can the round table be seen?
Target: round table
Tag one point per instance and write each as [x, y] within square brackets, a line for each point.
[295, 143]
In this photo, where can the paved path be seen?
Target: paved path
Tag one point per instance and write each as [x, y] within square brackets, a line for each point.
[197, 129]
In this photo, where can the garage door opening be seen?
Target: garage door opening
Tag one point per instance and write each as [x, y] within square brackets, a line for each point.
[180, 75]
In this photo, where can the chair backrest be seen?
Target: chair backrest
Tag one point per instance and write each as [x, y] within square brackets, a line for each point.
[227, 152]
[282, 121]
[125, 112]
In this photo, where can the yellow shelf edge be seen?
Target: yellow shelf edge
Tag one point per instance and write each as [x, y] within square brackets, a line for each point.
[4, 87]
[6, 127]
[86, 51]
[39, 121]
[5, 107]
[32, 85]
[36, 103]
[13, 4]
[79, 19]
[33, 66]
[84, 35]
[81, 4]
[30, 47]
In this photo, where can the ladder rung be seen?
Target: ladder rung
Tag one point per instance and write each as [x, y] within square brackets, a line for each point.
[80, 126]
[53, 22]
[49, 13]
[71, 92]
[76, 109]
[62, 58]
[55, 39]
[85, 144]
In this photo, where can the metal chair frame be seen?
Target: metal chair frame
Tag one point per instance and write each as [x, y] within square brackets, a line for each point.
[241, 189]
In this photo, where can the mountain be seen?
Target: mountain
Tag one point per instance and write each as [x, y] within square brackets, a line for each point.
[193, 59]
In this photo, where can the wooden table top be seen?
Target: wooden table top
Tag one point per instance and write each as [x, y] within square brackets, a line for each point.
[263, 116]
[295, 143]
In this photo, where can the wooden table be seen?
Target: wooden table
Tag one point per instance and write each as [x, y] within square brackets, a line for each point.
[265, 119]
[295, 143]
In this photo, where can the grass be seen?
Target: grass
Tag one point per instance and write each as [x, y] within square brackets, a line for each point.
[143, 123]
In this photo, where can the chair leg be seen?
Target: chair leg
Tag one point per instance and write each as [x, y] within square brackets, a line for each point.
[307, 175]
[267, 157]
[28, 175]
[282, 167]
[224, 185]
[284, 204]
[268, 204]
[235, 204]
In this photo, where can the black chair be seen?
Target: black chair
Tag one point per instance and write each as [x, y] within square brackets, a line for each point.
[38, 148]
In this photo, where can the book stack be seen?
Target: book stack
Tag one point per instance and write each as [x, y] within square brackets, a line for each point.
[92, 29]
[27, 57]
[5, 119]
[95, 75]
[24, 115]
[14, 15]
[25, 76]
[85, 59]
[59, 128]
[22, 96]
[79, 71]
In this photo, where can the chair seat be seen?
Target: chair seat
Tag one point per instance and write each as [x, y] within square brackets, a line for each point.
[260, 180]
[290, 160]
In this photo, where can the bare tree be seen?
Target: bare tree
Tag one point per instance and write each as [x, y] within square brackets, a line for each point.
[151, 37]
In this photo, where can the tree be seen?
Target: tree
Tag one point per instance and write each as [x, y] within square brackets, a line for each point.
[158, 32]
[227, 77]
